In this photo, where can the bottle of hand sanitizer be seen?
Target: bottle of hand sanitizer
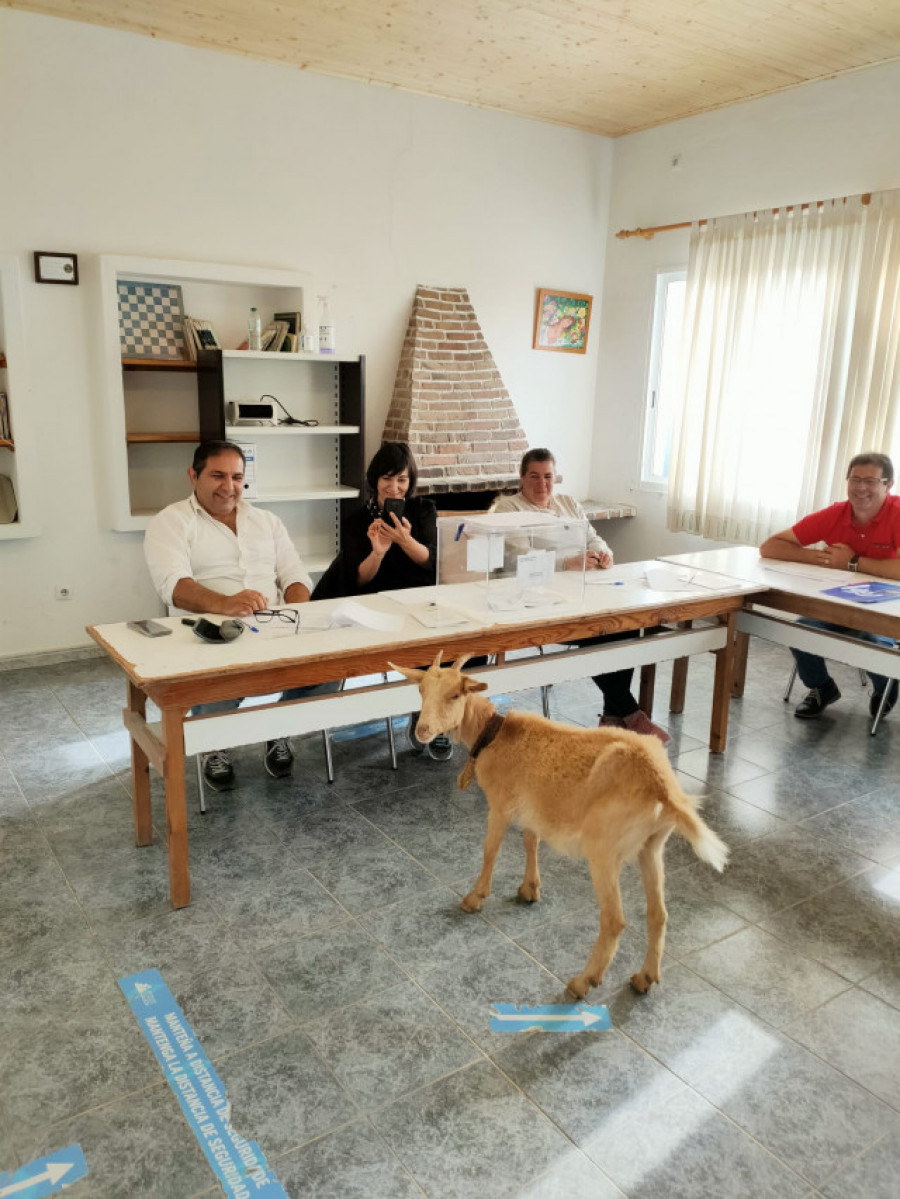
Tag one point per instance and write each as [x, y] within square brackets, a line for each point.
[326, 328]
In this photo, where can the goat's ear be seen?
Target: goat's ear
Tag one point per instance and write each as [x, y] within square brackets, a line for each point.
[470, 684]
[408, 672]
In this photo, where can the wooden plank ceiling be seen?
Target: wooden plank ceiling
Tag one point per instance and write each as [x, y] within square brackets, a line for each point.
[606, 66]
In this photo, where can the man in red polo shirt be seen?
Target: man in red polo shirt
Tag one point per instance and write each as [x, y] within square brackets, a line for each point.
[860, 533]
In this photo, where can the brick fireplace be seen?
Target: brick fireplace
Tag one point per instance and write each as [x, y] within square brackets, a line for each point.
[450, 404]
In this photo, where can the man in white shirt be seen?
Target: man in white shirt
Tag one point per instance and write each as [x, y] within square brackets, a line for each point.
[537, 475]
[214, 552]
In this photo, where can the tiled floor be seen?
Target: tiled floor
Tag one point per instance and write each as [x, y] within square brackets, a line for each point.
[344, 997]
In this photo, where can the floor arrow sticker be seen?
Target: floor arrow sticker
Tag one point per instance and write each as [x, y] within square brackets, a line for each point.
[45, 1176]
[552, 1017]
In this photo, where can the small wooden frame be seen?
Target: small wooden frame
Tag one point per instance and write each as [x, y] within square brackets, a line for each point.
[562, 320]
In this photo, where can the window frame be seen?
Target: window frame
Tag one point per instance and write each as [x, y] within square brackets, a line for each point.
[665, 276]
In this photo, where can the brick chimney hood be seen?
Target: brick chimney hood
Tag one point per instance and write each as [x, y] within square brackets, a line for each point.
[449, 402]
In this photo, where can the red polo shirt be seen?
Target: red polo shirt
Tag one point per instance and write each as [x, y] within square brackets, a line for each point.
[880, 538]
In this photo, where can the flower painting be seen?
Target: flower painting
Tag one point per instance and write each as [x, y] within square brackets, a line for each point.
[561, 321]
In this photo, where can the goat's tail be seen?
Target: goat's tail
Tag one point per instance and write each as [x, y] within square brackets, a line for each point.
[707, 845]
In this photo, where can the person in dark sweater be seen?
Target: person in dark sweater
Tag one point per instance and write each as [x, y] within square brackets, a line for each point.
[388, 550]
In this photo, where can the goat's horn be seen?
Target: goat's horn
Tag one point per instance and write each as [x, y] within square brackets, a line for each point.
[460, 663]
[408, 672]
[436, 664]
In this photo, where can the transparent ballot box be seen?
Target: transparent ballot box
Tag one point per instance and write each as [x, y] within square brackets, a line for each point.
[513, 561]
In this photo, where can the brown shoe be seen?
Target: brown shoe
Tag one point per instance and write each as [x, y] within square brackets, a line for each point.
[640, 722]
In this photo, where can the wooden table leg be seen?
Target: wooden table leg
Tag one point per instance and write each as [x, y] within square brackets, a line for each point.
[140, 773]
[724, 680]
[741, 649]
[176, 808]
[648, 685]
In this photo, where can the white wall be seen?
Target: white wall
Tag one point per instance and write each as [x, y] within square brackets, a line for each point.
[821, 140]
[112, 143]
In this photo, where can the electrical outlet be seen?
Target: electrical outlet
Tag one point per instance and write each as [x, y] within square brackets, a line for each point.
[61, 592]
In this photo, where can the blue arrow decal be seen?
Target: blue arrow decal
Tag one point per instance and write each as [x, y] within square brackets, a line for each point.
[553, 1017]
[45, 1176]
[240, 1165]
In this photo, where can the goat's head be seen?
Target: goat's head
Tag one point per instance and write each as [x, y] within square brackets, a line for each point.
[443, 696]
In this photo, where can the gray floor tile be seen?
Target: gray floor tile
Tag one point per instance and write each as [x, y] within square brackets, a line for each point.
[327, 970]
[859, 1035]
[282, 1094]
[581, 1080]
[766, 976]
[718, 770]
[471, 1134]
[467, 984]
[797, 792]
[421, 933]
[65, 1068]
[853, 928]
[390, 1044]
[803, 1111]
[659, 1149]
[869, 826]
[776, 871]
[872, 1175]
[352, 1163]
[143, 1146]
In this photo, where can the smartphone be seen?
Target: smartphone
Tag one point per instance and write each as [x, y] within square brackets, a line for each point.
[150, 628]
[395, 506]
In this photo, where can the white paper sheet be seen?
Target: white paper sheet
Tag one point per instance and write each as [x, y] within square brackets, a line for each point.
[351, 613]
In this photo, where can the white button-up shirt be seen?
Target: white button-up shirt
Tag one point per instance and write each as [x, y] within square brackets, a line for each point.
[184, 542]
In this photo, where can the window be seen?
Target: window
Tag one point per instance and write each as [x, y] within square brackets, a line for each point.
[664, 392]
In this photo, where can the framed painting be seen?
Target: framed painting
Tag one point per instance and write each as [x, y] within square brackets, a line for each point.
[561, 321]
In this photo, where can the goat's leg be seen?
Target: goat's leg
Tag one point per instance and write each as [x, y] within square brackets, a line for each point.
[497, 825]
[530, 890]
[653, 872]
[605, 877]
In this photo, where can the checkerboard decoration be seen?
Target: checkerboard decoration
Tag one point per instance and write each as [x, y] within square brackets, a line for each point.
[151, 320]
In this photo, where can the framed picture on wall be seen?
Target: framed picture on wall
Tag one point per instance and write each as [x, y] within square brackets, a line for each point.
[561, 320]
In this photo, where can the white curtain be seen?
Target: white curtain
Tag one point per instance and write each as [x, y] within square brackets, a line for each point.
[791, 363]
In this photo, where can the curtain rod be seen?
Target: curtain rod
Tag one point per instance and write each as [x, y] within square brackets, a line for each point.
[649, 233]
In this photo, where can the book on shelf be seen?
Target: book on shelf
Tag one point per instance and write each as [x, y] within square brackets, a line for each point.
[293, 320]
[199, 335]
[5, 423]
[273, 336]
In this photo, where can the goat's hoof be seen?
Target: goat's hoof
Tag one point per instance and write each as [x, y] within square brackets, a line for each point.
[472, 902]
[578, 986]
[530, 892]
[642, 982]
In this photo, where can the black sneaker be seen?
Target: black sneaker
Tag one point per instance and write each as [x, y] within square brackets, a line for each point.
[875, 701]
[414, 743]
[817, 700]
[441, 748]
[279, 758]
[218, 771]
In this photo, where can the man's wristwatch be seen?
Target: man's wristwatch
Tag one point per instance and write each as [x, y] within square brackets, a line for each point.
[853, 564]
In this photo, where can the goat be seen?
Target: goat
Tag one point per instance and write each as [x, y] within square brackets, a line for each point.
[604, 794]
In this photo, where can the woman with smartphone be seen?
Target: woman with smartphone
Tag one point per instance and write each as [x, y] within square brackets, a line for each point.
[390, 541]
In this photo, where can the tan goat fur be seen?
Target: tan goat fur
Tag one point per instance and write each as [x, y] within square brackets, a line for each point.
[604, 794]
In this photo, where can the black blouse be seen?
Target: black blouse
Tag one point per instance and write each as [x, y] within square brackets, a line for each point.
[397, 569]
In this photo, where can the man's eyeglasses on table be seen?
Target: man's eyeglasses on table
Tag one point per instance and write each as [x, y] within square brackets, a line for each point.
[279, 616]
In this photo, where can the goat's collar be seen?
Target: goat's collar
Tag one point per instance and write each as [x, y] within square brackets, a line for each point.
[485, 737]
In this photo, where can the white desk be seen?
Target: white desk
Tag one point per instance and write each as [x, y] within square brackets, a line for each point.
[179, 671]
[796, 589]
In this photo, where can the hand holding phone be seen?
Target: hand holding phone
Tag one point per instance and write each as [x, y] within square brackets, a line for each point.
[150, 628]
[395, 508]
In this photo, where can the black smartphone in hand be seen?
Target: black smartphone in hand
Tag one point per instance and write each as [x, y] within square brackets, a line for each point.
[394, 507]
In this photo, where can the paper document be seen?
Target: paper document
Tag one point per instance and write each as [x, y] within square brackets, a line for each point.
[866, 593]
[484, 554]
[433, 617]
[660, 579]
[350, 613]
